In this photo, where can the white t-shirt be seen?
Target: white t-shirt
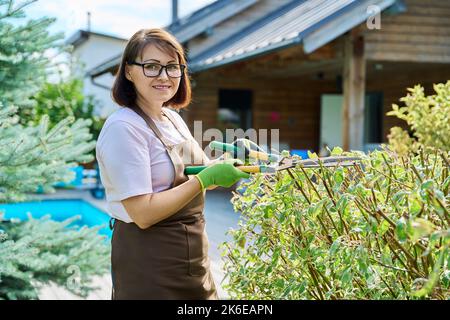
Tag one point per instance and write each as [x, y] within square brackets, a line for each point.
[132, 160]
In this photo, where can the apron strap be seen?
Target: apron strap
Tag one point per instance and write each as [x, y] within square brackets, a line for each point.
[189, 138]
[112, 222]
[153, 126]
[175, 123]
[176, 158]
[155, 129]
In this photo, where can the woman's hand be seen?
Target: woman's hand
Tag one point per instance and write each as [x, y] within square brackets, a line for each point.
[223, 174]
[222, 160]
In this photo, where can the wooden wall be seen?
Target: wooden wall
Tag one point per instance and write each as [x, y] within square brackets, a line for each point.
[284, 81]
[421, 34]
[295, 98]
[394, 80]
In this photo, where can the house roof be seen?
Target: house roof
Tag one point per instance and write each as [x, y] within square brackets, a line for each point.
[312, 23]
[82, 36]
[206, 18]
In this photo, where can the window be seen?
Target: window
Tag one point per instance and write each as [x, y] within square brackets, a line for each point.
[235, 109]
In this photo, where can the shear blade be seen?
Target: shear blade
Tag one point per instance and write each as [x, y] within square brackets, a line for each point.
[288, 163]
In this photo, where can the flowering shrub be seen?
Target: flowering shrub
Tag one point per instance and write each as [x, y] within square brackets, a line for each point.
[428, 118]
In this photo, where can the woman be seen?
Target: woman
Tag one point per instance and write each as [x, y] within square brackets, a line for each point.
[159, 245]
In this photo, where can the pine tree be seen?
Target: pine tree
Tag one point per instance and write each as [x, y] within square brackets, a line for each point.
[24, 53]
[36, 156]
[36, 252]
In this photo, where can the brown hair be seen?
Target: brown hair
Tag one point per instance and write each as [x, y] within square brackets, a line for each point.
[123, 91]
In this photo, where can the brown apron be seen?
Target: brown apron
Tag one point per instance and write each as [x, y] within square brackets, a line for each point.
[168, 260]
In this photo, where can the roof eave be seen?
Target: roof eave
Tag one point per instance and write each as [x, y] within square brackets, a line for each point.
[79, 37]
[255, 53]
[104, 68]
[340, 25]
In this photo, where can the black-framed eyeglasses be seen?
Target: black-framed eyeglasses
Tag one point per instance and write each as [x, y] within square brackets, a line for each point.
[153, 69]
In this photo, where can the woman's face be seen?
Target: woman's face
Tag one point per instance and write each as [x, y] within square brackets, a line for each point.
[157, 89]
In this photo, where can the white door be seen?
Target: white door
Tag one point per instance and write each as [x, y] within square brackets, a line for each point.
[330, 120]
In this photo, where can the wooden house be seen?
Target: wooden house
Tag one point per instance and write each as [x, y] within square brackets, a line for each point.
[320, 71]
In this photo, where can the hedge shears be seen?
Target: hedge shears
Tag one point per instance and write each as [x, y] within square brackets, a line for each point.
[274, 163]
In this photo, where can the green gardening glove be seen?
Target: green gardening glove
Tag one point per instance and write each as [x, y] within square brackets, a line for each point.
[221, 174]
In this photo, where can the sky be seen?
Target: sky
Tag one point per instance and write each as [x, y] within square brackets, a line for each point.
[120, 18]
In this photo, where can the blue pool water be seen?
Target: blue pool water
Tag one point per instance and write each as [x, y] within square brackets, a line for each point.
[60, 210]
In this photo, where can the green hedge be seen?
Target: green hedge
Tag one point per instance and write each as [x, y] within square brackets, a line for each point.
[379, 230]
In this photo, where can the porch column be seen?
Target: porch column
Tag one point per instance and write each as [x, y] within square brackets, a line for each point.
[354, 87]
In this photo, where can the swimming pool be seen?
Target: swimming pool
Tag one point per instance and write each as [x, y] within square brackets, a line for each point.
[60, 210]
